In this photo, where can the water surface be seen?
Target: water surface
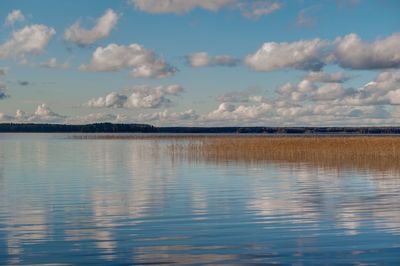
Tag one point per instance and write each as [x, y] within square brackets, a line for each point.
[128, 202]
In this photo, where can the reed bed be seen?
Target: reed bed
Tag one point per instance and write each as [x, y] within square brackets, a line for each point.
[380, 153]
[361, 152]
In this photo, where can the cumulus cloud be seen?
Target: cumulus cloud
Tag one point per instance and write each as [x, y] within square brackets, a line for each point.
[202, 59]
[348, 52]
[243, 113]
[104, 24]
[29, 40]
[308, 89]
[354, 53]
[304, 55]
[144, 62]
[13, 17]
[44, 114]
[141, 97]
[111, 100]
[248, 8]
[52, 63]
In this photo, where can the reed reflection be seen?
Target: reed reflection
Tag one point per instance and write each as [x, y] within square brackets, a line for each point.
[378, 154]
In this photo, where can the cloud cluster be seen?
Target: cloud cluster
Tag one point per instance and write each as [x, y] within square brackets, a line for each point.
[14, 16]
[31, 39]
[318, 101]
[348, 52]
[144, 62]
[104, 25]
[42, 114]
[310, 102]
[248, 8]
[141, 97]
[202, 59]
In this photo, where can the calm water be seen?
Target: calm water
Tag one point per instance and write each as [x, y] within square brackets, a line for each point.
[127, 202]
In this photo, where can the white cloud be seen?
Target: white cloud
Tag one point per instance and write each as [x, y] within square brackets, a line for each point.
[348, 52]
[258, 8]
[152, 97]
[29, 40]
[104, 24]
[354, 53]
[15, 16]
[44, 114]
[305, 55]
[144, 62]
[52, 63]
[243, 113]
[112, 100]
[248, 8]
[202, 59]
[178, 6]
[141, 97]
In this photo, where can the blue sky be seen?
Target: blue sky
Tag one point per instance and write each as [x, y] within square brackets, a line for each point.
[192, 62]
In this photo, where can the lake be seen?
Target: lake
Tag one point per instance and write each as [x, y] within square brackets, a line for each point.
[68, 201]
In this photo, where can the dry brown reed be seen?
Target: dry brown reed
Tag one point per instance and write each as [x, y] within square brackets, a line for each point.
[360, 152]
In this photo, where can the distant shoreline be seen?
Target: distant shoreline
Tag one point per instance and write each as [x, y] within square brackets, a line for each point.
[145, 128]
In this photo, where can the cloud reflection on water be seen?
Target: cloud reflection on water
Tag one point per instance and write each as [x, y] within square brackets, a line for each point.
[124, 200]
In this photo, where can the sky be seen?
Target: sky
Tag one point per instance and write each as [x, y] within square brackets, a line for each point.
[201, 62]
